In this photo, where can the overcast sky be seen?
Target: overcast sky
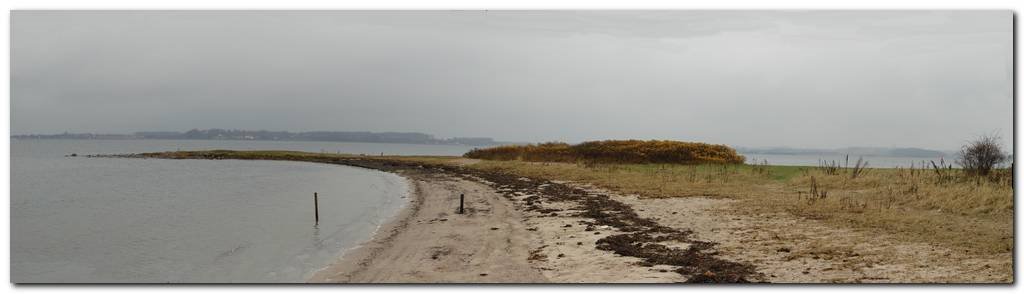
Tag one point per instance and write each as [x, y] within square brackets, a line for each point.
[745, 78]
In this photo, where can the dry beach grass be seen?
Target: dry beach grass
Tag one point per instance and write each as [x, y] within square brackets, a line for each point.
[915, 204]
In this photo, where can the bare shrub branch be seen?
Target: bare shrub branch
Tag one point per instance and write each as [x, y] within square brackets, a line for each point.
[980, 156]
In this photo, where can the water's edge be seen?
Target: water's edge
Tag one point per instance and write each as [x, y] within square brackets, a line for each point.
[403, 213]
[400, 215]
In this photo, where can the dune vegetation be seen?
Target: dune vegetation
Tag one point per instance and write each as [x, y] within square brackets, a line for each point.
[970, 207]
[613, 151]
[946, 206]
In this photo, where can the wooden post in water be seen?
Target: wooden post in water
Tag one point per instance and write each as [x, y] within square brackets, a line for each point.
[462, 200]
[316, 209]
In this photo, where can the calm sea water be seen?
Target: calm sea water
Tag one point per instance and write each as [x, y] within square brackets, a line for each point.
[109, 220]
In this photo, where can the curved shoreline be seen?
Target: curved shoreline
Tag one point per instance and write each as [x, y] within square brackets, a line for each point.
[510, 233]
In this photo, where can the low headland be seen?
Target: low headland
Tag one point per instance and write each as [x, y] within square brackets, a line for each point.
[661, 211]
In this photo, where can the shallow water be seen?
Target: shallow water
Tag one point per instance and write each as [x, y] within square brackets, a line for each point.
[111, 220]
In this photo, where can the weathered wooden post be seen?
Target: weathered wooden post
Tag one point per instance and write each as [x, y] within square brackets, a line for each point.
[316, 209]
[462, 200]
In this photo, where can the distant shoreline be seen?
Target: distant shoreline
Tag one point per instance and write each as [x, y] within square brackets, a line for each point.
[23, 137]
[263, 135]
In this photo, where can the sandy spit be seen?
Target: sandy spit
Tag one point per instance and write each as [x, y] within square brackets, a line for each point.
[514, 230]
[498, 239]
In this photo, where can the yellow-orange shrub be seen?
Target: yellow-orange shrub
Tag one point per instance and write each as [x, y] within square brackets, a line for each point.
[613, 151]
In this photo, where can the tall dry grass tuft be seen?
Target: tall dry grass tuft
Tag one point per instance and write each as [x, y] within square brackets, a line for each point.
[933, 203]
[858, 168]
[828, 167]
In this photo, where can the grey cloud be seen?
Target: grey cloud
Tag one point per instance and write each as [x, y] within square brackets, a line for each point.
[754, 78]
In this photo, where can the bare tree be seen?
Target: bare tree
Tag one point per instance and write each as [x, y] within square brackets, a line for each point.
[978, 157]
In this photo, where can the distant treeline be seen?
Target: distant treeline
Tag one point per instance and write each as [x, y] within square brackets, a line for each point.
[613, 151]
[223, 134]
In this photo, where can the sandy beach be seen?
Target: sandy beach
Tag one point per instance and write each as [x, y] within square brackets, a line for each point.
[506, 235]
[509, 234]
[496, 240]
